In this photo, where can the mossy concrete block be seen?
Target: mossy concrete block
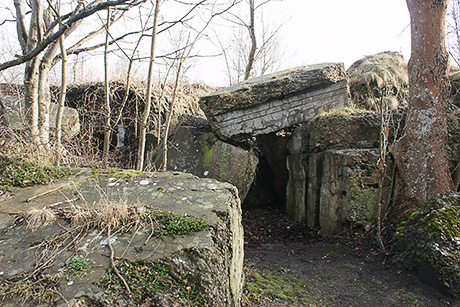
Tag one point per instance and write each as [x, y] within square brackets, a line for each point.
[296, 190]
[198, 151]
[429, 242]
[212, 259]
[349, 189]
[343, 130]
[276, 101]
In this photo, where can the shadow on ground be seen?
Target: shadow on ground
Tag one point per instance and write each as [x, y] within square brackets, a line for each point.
[286, 265]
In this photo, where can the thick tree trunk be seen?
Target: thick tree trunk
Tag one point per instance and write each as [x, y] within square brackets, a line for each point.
[421, 153]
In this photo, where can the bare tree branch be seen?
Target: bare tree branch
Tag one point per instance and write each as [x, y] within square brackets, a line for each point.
[88, 11]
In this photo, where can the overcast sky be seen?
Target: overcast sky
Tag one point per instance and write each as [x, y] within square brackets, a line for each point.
[313, 31]
[317, 31]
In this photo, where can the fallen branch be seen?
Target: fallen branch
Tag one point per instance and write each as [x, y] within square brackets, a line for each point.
[112, 262]
[63, 202]
[43, 194]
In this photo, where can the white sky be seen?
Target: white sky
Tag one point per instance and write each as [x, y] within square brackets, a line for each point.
[317, 31]
[314, 31]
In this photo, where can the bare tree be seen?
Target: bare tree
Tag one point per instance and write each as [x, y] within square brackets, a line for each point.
[62, 93]
[107, 126]
[254, 49]
[148, 96]
[421, 153]
[453, 26]
[39, 45]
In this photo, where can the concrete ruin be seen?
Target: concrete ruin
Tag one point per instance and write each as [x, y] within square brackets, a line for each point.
[13, 116]
[324, 172]
[270, 103]
[209, 261]
[197, 150]
[319, 160]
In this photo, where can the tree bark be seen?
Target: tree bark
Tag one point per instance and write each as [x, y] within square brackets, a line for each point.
[31, 78]
[44, 102]
[421, 154]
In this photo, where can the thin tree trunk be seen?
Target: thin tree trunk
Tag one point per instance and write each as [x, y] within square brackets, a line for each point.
[107, 130]
[252, 35]
[148, 98]
[421, 153]
[62, 95]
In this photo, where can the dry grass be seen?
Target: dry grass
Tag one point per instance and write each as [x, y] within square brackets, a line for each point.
[380, 76]
[107, 214]
[84, 150]
[40, 218]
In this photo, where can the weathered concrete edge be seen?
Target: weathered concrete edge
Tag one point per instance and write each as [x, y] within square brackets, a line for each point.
[278, 85]
[304, 107]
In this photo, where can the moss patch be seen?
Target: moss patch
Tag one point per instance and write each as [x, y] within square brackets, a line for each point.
[430, 240]
[117, 172]
[280, 286]
[20, 173]
[147, 280]
[171, 224]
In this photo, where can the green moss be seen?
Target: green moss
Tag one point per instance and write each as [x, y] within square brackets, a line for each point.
[78, 266]
[361, 205]
[117, 173]
[19, 173]
[208, 140]
[171, 224]
[147, 279]
[446, 222]
[334, 249]
[431, 241]
[278, 286]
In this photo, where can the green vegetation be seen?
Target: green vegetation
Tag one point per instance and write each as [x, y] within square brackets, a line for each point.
[19, 173]
[446, 222]
[344, 111]
[280, 286]
[148, 279]
[171, 224]
[431, 238]
[129, 173]
[78, 266]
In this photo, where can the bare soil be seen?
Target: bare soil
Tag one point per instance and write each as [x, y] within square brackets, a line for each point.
[289, 265]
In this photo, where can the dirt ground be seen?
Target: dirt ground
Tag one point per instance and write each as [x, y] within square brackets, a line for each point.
[287, 265]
